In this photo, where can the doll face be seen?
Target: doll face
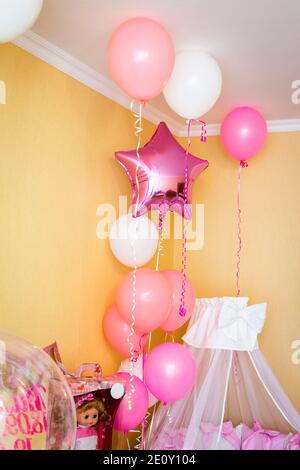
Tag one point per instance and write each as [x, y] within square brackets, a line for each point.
[88, 418]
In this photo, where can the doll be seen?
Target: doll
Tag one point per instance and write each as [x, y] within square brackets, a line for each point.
[89, 411]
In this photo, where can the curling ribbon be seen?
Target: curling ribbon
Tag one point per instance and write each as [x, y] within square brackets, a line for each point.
[141, 442]
[138, 129]
[150, 429]
[133, 354]
[243, 164]
[162, 212]
[169, 416]
[182, 309]
[169, 335]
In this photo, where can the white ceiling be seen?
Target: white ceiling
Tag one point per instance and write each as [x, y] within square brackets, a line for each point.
[255, 42]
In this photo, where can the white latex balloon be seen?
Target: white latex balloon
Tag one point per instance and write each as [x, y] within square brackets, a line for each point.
[129, 236]
[117, 391]
[16, 16]
[137, 370]
[195, 84]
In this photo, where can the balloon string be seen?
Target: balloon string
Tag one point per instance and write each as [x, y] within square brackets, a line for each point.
[148, 434]
[150, 429]
[138, 129]
[141, 438]
[243, 164]
[162, 212]
[182, 308]
[169, 416]
[140, 442]
[169, 335]
[132, 353]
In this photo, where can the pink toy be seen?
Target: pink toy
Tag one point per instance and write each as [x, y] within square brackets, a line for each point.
[87, 384]
[90, 410]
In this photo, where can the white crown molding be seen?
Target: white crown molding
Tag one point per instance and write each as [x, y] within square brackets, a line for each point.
[58, 58]
[284, 125]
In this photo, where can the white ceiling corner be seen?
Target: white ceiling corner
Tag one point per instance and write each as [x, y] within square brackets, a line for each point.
[58, 58]
[254, 41]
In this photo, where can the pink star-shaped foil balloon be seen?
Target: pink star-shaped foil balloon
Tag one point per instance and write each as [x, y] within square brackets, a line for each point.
[160, 178]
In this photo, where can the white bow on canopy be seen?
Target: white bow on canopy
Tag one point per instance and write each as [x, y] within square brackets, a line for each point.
[225, 323]
[242, 325]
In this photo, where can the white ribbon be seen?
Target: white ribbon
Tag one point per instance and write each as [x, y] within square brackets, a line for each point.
[242, 325]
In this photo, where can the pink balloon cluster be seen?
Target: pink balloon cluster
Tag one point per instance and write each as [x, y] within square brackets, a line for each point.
[169, 368]
[170, 373]
[157, 302]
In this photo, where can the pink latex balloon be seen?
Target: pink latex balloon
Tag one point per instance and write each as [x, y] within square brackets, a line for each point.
[175, 320]
[137, 369]
[170, 372]
[243, 133]
[161, 173]
[141, 58]
[125, 418]
[117, 332]
[153, 299]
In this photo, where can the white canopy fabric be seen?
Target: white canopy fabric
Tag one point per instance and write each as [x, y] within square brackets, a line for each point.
[234, 382]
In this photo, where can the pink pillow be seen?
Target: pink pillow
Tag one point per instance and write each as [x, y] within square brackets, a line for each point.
[259, 438]
[294, 442]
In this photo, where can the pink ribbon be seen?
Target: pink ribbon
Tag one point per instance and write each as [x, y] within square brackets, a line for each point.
[228, 433]
[182, 308]
[243, 164]
[170, 440]
[208, 431]
[294, 443]
[84, 398]
[260, 438]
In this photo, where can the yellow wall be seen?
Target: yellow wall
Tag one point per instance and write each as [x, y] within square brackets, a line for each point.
[57, 165]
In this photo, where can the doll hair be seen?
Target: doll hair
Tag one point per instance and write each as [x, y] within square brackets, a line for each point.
[94, 403]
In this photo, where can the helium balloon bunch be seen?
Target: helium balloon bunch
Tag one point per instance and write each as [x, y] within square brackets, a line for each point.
[142, 61]
[157, 302]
